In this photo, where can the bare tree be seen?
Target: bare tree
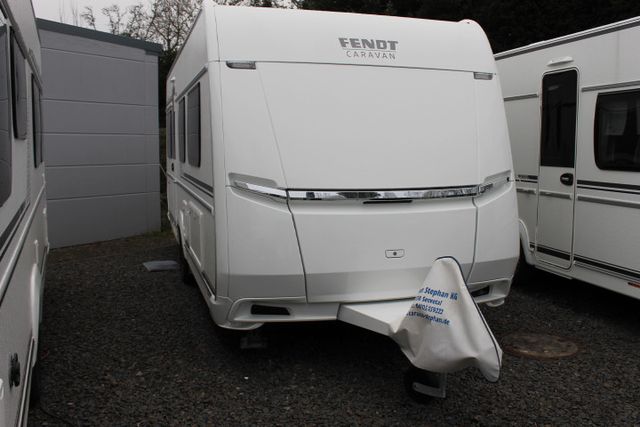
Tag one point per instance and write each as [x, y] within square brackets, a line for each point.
[164, 21]
[75, 16]
[89, 17]
[62, 17]
[115, 16]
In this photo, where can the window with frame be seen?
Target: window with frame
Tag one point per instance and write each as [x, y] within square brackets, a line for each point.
[182, 135]
[558, 133]
[171, 135]
[617, 131]
[193, 126]
[36, 105]
[19, 86]
[5, 121]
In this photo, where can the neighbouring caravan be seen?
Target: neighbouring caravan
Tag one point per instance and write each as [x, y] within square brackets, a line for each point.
[23, 226]
[322, 161]
[573, 109]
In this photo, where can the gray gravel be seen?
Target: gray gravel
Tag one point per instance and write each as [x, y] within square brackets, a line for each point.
[122, 346]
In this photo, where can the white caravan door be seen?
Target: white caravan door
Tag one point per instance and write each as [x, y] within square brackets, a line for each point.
[556, 182]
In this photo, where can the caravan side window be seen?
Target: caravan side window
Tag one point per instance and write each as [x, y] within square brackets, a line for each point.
[171, 135]
[5, 121]
[36, 105]
[19, 85]
[617, 131]
[557, 145]
[181, 130]
[193, 126]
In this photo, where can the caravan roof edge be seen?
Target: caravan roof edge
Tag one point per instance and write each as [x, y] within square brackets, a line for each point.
[593, 32]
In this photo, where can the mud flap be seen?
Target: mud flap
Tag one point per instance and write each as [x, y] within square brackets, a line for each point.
[441, 330]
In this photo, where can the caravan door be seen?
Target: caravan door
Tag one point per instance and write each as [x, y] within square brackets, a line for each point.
[556, 176]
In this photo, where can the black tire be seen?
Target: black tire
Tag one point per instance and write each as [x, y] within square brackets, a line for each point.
[185, 271]
[35, 392]
[524, 271]
[229, 338]
[420, 376]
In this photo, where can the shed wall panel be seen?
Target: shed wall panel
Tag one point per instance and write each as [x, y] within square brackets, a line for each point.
[94, 219]
[100, 114]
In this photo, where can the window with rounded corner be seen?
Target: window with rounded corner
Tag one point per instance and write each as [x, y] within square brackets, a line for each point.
[193, 126]
[36, 109]
[182, 130]
[617, 131]
[19, 88]
[171, 134]
[5, 121]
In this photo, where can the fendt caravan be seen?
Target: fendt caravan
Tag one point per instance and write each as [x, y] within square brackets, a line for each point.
[573, 108]
[319, 161]
[23, 227]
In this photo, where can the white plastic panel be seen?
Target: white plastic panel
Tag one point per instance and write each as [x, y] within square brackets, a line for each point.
[497, 241]
[348, 127]
[265, 34]
[264, 259]
[249, 149]
[344, 246]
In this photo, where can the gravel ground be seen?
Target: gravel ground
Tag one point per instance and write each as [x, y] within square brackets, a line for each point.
[121, 346]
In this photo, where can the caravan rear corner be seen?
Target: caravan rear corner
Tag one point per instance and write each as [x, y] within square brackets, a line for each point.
[573, 108]
[320, 159]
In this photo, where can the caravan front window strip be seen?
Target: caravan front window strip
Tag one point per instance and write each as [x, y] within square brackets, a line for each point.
[182, 130]
[19, 86]
[36, 111]
[5, 126]
[617, 131]
[170, 137]
[193, 126]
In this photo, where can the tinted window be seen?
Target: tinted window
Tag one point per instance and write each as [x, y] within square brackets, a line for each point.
[558, 135]
[37, 122]
[193, 125]
[171, 142]
[5, 136]
[181, 130]
[19, 86]
[617, 131]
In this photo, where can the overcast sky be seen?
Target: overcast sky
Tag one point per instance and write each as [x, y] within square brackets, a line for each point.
[54, 9]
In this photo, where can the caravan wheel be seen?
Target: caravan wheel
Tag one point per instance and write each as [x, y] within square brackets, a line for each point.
[36, 388]
[185, 271]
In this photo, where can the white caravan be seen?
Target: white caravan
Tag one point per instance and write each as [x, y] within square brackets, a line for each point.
[320, 161]
[23, 226]
[573, 108]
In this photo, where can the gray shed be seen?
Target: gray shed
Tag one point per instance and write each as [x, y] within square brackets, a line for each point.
[100, 120]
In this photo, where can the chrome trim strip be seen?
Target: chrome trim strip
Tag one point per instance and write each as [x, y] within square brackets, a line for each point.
[607, 201]
[376, 195]
[555, 194]
[611, 86]
[520, 97]
[261, 189]
[435, 193]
